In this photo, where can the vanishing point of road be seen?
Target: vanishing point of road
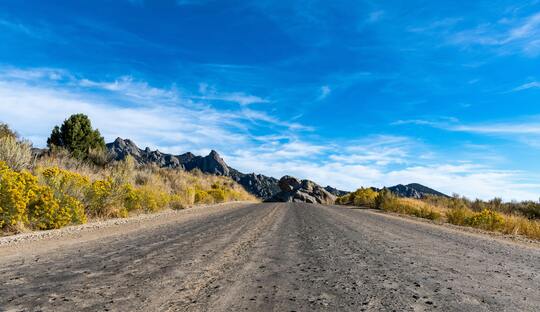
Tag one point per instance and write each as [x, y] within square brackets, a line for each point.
[270, 257]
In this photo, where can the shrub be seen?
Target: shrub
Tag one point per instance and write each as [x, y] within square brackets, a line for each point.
[77, 136]
[177, 202]
[64, 182]
[386, 200]
[16, 191]
[458, 216]
[105, 199]
[16, 154]
[486, 219]
[218, 195]
[24, 202]
[145, 199]
[202, 197]
[427, 213]
[44, 211]
[6, 131]
[75, 208]
[364, 197]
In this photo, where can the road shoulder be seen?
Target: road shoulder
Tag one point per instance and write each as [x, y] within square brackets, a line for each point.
[38, 241]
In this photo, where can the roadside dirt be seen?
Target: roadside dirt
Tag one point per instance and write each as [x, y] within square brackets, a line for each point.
[271, 257]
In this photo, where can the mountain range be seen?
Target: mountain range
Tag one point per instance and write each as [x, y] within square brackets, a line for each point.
[257, 184]
[262, 186]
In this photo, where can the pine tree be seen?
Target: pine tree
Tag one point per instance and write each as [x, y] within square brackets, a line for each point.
[77, 136]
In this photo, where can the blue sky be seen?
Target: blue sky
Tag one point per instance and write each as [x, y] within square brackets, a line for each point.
[346, 93]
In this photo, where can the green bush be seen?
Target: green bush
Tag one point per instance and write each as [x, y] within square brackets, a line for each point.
[77, 136]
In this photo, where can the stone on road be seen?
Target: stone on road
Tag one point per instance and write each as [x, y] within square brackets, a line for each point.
[273, 257]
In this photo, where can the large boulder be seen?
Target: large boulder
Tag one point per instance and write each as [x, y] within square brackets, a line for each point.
[305, 191]
[289, 184]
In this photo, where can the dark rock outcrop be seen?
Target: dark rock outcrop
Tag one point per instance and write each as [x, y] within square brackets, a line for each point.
[257, 184]
[120, 149]
[294, 190]
[213, 164]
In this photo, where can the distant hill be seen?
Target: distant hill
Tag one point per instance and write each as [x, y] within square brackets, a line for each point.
[334, 191]
[414, 190]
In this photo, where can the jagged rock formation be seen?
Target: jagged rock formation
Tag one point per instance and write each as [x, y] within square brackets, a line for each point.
[294, 190]
[413, 190]
[334, 191]
[257, 184]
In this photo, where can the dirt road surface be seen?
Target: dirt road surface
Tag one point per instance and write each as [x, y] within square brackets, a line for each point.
[271, 257]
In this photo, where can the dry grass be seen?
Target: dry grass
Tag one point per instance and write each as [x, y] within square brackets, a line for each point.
[489, 216]
[486, 219]
[60, 190]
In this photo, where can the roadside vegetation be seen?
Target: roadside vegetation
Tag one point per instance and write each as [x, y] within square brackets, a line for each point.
[75, 181]
[518, 218]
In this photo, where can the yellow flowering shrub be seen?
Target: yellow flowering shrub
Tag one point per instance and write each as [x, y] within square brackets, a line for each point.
[75, 208]
[64, 181]
[218, 195]
[25, 202]
[202, 197]
[145, 199]
[486, 219]
[16, 190]
[44, 211]
[105, 199]
[69, 189]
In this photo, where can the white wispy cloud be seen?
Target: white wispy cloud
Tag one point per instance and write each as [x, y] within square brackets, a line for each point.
[523, 131]
[153, 115]
[502, 128]
[211, 94]
[528, 85]
[530, 126]
[512, 35]
[324, 92]
[440, 25]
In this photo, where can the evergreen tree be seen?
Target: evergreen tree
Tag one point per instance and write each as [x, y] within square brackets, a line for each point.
[77, 136]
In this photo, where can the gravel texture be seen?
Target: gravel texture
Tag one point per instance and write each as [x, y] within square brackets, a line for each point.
[271, 257]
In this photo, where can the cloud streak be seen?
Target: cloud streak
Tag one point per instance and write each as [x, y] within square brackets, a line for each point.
[521, 35]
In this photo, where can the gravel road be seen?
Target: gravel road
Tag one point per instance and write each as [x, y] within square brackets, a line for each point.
[271, 257]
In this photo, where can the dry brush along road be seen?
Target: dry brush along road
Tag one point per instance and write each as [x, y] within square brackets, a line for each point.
[271, 257]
